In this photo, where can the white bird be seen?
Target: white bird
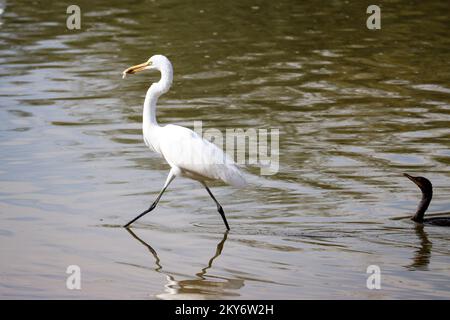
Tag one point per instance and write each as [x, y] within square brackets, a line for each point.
[187, 153]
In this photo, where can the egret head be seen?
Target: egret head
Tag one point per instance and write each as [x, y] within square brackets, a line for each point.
[423, 183]
[156, 62]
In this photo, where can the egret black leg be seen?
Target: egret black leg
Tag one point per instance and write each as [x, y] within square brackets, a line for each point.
[153, 206]
[219, 207]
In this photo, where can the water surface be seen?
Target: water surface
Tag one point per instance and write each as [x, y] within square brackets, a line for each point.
[355, 109]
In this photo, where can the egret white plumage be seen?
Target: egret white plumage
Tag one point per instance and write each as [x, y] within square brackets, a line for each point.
[187, 153]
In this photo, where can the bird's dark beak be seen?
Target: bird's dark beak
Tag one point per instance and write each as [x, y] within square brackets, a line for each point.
[135, 69]
[413, 179]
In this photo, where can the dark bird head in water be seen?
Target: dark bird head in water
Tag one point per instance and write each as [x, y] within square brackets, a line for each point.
[427, 194]
[423, 183]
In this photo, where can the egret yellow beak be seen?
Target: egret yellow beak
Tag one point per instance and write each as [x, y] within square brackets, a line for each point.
[135, 69]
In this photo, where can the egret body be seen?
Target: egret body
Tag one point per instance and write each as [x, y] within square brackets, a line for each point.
[187, 153]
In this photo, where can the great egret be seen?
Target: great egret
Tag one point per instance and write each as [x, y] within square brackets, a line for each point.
[427, 194]
[187, 153]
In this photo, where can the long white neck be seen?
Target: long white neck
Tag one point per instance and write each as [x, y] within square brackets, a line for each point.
[151, 98]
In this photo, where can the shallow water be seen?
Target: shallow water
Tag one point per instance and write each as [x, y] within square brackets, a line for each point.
[355, 109]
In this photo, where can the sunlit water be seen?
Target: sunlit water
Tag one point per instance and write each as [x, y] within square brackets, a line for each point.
[355, 109]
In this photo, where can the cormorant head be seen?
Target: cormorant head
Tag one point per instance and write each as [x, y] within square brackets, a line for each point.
[423, 183]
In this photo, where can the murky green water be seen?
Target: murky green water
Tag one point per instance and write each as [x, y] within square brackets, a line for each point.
[355, 109]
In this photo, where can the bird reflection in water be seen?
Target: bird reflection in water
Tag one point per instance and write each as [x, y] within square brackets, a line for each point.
[421, 258]
[203, 287]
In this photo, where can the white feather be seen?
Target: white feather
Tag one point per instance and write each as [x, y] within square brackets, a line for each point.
[185, 151]
[196, 157]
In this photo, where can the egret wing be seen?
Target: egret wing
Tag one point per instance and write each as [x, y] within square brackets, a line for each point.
[185, 149]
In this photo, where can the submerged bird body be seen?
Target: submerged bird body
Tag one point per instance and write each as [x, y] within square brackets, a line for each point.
[427, 194]
[438, 221]
[187, 153]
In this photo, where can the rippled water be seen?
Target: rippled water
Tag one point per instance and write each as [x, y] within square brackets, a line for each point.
[355, 109]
